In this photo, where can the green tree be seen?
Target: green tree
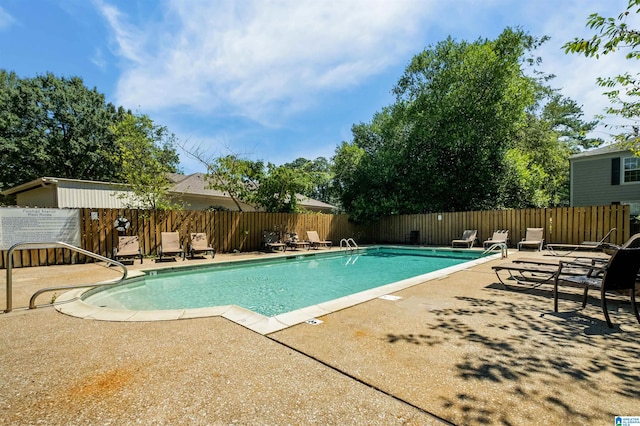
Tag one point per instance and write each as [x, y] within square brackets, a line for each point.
[441, 146]
[145, 154]
[233, 175]
[269, 187]
[613, 34]
[54, 126]
[320, 173]
[280, 188]
[469, 130]
[537, 164]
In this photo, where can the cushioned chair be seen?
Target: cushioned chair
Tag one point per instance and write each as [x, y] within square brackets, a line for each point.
[315, 241]
[500, 236]
[620, 273]
[170, 245]
[128, 247]
[198, 243]
[533, 238]
[469, 237]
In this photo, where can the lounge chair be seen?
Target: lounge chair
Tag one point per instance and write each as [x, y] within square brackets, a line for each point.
[271, 241]
[500, 236]
[469, 236]
[128, 247]
[198, 244]
[632, 242]
[316, 242]
[537, 272]
[533, 238]
[585, 245]
[170, 245]
[620, 273]
[294, 243]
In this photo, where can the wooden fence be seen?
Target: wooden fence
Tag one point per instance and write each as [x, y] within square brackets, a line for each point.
[570, 225]
[226, 231]
[230, 231]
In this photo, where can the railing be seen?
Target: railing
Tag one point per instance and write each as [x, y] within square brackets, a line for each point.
[36, 246]
[504, 250]
[349, 243]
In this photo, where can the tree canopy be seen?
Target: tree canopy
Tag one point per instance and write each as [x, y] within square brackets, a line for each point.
[146, 155]
[320, 175]
[52, 126]
[266, 186]
[614, 34]
[469, 130]
[56, 126]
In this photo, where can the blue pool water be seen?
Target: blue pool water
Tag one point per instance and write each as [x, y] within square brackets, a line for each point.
[279, 285]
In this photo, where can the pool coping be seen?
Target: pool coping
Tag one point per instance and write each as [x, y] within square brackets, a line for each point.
[70, 303]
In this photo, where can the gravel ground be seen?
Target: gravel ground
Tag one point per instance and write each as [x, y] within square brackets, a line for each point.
[462, 348]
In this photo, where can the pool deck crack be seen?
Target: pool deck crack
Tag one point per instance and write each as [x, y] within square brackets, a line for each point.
[359, 380]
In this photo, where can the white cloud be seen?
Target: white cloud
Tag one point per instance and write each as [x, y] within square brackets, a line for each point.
[576, 75]
[128, 40]
[98, 59]
[268, 59]
[258, 58]
[6, 20]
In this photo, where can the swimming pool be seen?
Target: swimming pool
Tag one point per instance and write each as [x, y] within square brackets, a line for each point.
[278, 286]
[278, 291]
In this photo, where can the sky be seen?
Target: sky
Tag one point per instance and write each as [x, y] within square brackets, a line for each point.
[275, 80]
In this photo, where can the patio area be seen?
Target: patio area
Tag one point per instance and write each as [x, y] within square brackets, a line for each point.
[460, 350]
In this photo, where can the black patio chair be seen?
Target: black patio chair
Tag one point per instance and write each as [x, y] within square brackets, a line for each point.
[620, 273]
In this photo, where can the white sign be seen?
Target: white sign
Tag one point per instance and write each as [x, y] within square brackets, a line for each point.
[38, 226]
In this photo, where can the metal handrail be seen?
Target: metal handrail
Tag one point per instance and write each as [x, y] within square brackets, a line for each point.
[53, 244]
[504, 250]
[349, 243]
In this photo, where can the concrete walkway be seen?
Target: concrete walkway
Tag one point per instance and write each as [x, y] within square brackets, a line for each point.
[463, 349]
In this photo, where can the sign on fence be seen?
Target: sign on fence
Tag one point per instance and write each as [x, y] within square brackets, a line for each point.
[18, 225]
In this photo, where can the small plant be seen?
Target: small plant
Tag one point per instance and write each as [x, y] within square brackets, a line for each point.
[53, 298]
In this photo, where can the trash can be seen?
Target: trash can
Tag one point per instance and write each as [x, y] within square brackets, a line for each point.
[414, 237]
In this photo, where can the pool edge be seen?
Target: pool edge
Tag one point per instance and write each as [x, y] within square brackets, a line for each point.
[70, 303]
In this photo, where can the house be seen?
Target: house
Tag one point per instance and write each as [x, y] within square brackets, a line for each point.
[606, 175]
[191, 191]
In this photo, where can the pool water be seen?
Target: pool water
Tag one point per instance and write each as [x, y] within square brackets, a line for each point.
[278, 286]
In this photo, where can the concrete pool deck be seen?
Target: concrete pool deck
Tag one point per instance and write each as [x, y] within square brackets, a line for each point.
[461, 348]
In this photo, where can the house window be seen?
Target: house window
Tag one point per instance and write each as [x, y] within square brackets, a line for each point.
[631, 171]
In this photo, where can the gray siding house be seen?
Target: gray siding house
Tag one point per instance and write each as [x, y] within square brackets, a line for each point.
[605, 175]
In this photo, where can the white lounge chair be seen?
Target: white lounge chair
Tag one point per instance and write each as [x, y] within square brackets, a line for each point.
[315, 241]
[469, 237]
[533, 238]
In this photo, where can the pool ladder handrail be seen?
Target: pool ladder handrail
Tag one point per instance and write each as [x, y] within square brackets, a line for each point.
[504, 250]
[349, 243]
[47, 245]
